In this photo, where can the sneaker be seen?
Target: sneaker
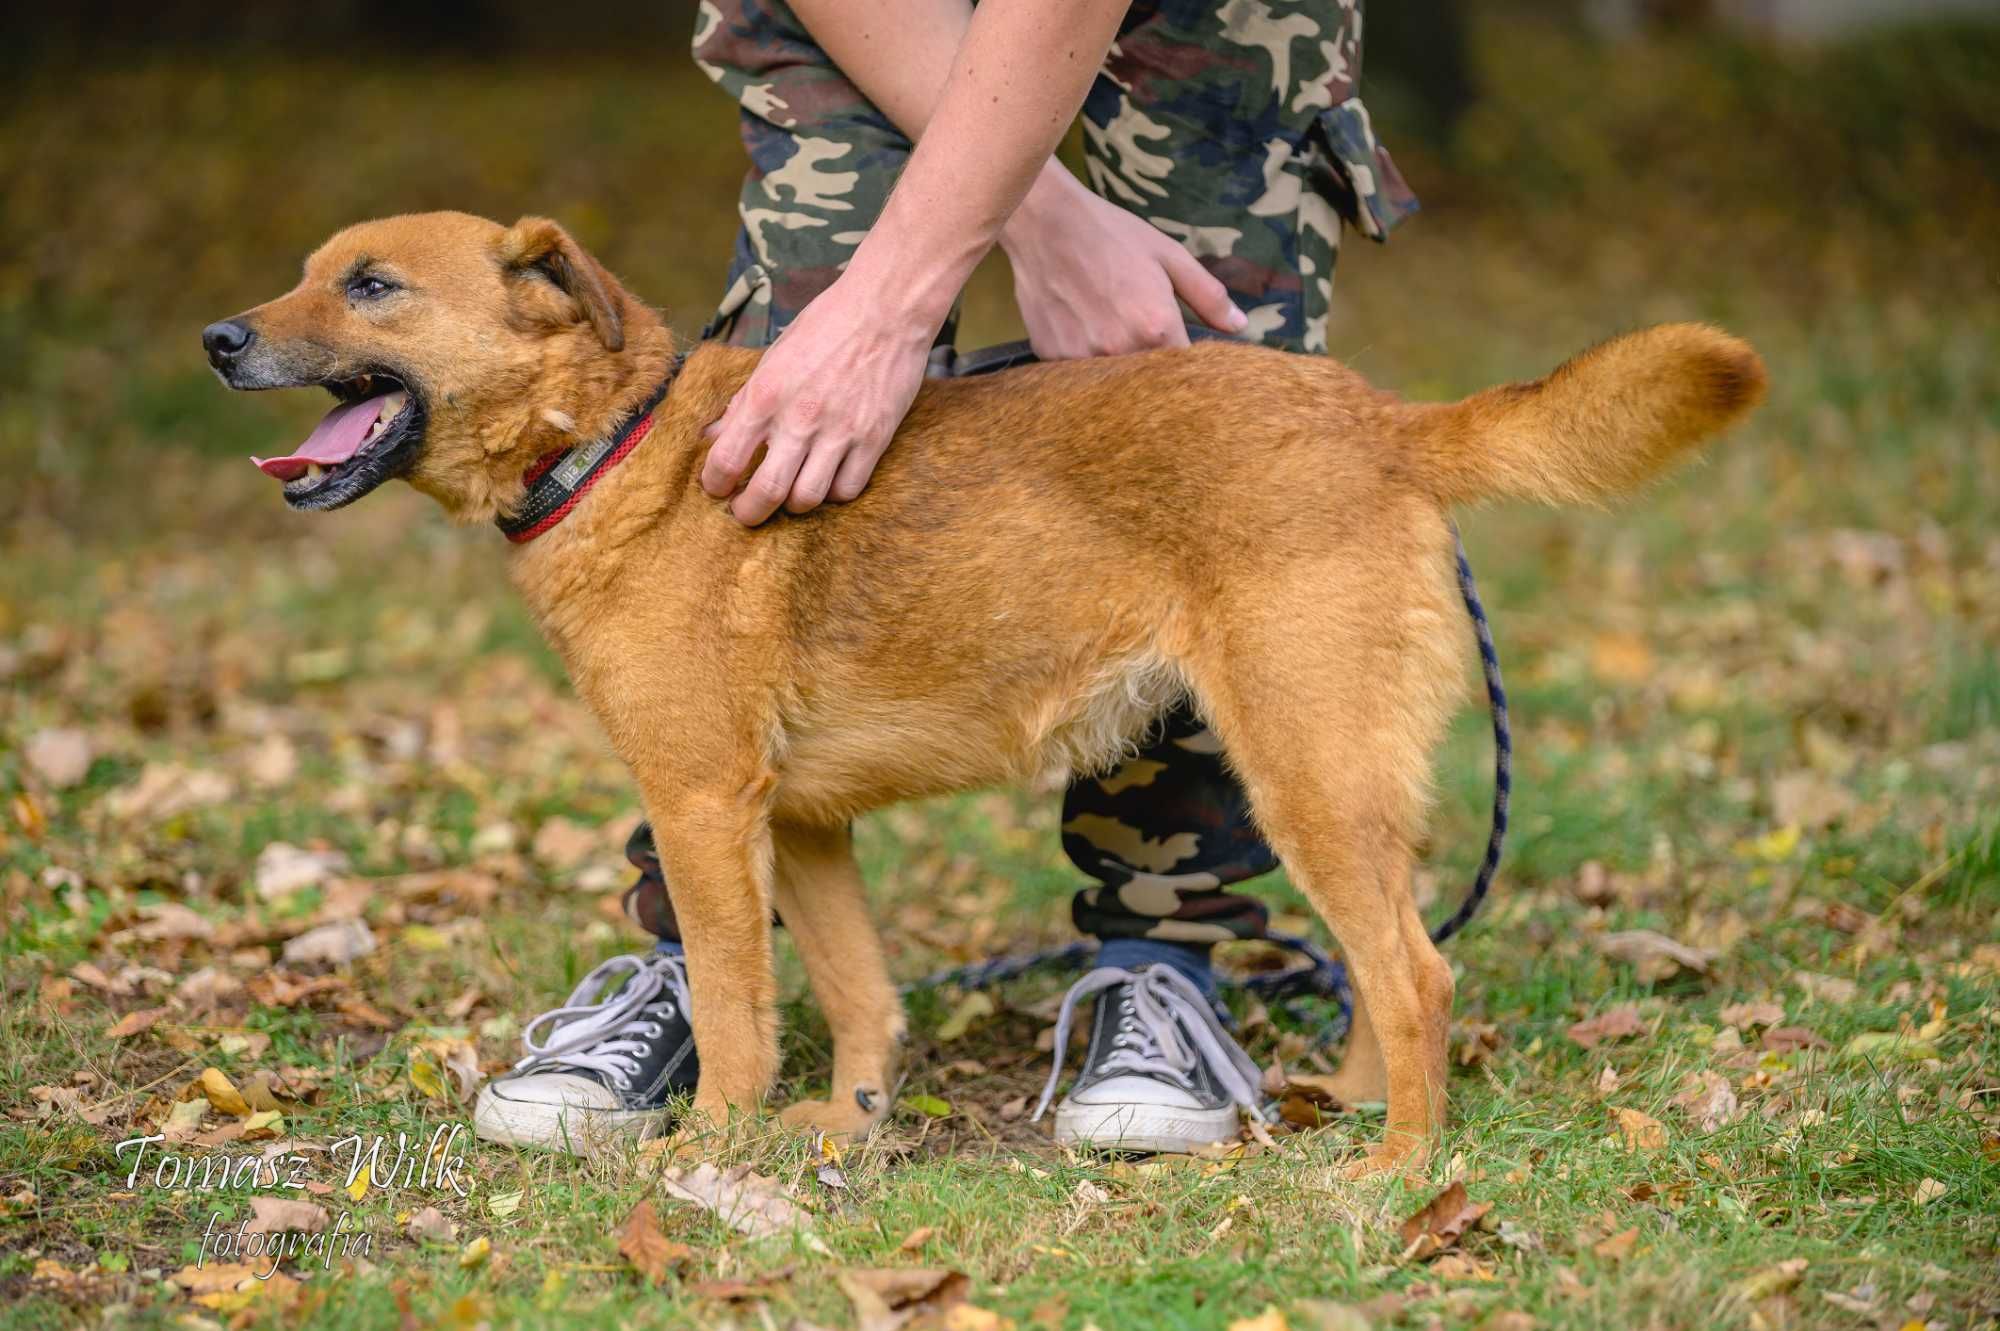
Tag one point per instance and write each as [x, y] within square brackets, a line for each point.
[601, 1067]
[1161, 1073]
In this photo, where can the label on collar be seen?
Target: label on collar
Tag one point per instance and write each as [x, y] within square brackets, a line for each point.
[569, 473]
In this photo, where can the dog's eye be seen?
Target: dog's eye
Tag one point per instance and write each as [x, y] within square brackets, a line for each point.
[369, 288]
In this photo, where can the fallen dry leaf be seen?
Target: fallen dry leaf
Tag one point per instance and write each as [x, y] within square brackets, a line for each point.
[165, 922]
[1327, 1315]
[917, 1238]
[885, 1298]
[755, 1287]
[1268, 1320]
[330, 944]
[1835, 989]
[1616, 1247]
[1879, 1045]
[164, 790]
[1459, 1266]
[1641, 1131]
[222, 1093]
[208, 987]
[1593, 884]
[1621, 658]
[974, 1007]
[134, 1023]
[273, 763]
[1771, 1280]
[279, 1215]
[283, 869]
[262, 1125]
[29, 817]
[431, 1226]
[1616, 1024]
[1785, 1039]
[461, 1061]
[279, 988]
[1810, 801]
[747, 1201]
[92, 974]
[214, 1277]
[1708, 1099]
[651, 1253]
[59, 755]
[1860, 1300]
[1511, 1319]
[184, 1119]
[1654, 955]
[1441, 1223]
[70, 1101]
[1745, 1015]
[562, 844]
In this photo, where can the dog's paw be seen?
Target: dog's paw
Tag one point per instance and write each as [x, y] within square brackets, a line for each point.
[836, 1118]
[1382, 1159]
[1355, 1085]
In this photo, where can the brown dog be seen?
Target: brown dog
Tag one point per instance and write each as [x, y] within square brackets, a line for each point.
[1042, 563]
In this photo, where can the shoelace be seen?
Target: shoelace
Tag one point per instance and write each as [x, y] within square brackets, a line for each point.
[1165, 1008]
[596, 1034]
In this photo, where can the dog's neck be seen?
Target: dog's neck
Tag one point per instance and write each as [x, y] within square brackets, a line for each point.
[592, 391]
[578, 392]
[558, 481]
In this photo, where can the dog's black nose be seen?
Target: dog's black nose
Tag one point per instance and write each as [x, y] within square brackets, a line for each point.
[225, 341]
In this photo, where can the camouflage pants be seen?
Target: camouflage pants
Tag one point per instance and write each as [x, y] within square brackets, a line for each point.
[1232, 126]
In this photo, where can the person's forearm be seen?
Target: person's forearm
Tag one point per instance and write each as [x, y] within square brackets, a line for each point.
[1017, 75]
[898, 52]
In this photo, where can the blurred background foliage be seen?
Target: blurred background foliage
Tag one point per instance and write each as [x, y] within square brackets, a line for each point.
[1837, 203]
[169, 164]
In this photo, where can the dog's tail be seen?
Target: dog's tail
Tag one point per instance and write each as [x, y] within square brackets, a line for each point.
[1603, 423]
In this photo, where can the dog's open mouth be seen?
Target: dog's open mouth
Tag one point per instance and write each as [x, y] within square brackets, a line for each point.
[371, 434]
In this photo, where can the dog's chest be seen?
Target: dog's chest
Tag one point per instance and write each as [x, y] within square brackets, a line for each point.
[845, 750]
[1093, 727]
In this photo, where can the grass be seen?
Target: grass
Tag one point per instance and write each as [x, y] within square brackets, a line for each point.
[1757, 710]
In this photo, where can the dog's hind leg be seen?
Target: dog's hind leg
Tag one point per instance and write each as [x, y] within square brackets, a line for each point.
[1363, 1075]
[821, 900]
[1328, 705]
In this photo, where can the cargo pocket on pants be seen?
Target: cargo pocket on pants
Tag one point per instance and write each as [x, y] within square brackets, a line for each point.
[1348, 177]
[1361, 179]
[743, 319]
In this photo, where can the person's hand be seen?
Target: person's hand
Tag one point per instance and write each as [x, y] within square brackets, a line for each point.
[823, 404]
[1095, 280]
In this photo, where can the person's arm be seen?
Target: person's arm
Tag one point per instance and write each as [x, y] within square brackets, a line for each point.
[1091, 278]
[826, 399]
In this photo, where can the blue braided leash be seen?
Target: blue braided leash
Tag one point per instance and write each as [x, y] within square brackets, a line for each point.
[1322, 977]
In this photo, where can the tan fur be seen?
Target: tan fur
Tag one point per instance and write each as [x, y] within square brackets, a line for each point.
[1041, 563]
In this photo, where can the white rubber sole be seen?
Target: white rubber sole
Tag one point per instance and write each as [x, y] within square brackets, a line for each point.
[572, 1129]
[1143, 1128]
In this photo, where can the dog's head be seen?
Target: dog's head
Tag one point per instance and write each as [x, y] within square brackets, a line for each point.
[456, 350]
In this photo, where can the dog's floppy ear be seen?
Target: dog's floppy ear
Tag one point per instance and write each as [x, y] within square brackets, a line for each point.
[536, 245]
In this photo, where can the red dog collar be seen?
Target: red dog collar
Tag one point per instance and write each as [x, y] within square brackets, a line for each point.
[557, 482]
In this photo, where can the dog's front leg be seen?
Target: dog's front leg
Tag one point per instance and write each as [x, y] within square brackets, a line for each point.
[715, 852]
[823, 902]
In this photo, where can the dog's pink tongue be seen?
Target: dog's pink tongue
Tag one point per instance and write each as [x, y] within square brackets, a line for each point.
[336, 438]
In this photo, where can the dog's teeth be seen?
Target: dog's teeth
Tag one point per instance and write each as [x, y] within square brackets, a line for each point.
[314, 471]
